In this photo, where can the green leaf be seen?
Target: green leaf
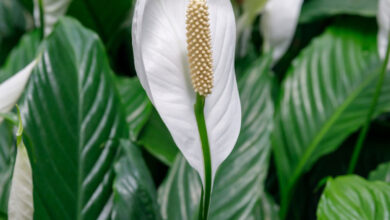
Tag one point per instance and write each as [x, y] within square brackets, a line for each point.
[137, 105]
[352, 197]
[21, 55]
[104, 17]
[326, 97]
[266, 208]
[134, 192]
[146, 126]
[73, 123]
[12, 25]
[241, 177]
[316, 9]
[157, 140]
[7, 160]
[382, 173]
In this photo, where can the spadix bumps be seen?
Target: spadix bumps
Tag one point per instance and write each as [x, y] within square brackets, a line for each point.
[199, 47]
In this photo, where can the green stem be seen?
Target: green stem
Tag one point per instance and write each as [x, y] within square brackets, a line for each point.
[205, 198]
[366, 127]
[41, 18]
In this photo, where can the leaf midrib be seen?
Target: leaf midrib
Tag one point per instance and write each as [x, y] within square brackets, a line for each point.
[309, 151]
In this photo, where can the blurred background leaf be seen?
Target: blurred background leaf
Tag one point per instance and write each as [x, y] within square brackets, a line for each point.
[382, 173]
[14, 21]
[352, 197]
[21, 55]
[137, 106]
[7, 160]
[134, 192]
[317, 9]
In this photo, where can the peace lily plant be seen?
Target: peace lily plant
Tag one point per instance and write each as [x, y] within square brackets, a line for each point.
[12, 89]
[184, 57]
[278, 24]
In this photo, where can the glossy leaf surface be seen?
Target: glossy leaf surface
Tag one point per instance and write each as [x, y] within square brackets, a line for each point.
[137, 105]
[72, 136]
[352, 197]
[326, 97]
[135, 194]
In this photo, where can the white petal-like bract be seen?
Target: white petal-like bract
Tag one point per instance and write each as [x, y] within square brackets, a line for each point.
[20, 205]
[53, 10]
[160, 52]
[278, 24]
[12, 88]
[384, 27]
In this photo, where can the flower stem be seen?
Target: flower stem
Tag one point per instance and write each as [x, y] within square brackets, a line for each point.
[366, 127]
[206, 193]
[41, 18]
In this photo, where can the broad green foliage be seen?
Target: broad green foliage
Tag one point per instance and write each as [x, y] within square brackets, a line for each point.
[146, 126]
[157, 140]
[21, 55]
[316, 9]
[382, 173]
[7, 159]
[137, 105]
[73, 123]
[242, 175]
[104, 17]
[13, 22]
[325, 97]
[134, 192]
[352, 197]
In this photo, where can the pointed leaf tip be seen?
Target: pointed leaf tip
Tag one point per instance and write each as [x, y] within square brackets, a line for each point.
[20, 205]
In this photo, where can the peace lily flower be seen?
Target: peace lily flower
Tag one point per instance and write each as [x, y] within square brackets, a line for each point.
[52, 10]
[278, 24]
[12, 88]
[384, 27]
[20, 204]
[184, 52]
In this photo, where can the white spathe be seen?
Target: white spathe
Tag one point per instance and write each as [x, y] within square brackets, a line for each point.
[384, 27]
[20, 204]
[278, 24]
[12, 88]
[53, 10]
[160, 52]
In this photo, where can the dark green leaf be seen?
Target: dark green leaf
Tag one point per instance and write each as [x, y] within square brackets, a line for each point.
[137, 105]
[73, 123]
[21, 55]
[315, 9]
[7, 159]
[104, 17]
[12, 26]
[157, 140]
[382, 173]
[135, 194]
[266, 208]
[352, 197]
[326, 97]
[239, 182]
